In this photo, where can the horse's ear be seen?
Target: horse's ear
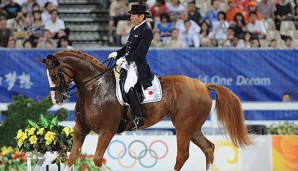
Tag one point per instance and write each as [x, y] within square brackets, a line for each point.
[53, 59]
[41, 60]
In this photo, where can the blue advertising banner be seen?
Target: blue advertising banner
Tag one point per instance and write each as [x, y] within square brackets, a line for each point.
[253, 75]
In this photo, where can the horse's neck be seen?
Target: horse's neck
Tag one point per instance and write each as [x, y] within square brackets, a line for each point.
[84, 71]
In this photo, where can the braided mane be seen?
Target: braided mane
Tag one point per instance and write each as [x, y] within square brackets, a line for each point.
[79, 54]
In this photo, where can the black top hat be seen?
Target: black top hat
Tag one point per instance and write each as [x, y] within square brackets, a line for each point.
[138, 9]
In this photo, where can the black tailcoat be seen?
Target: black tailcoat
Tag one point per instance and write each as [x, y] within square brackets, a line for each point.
[136, 50]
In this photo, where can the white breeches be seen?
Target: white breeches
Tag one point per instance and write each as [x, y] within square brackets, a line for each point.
[132, 76]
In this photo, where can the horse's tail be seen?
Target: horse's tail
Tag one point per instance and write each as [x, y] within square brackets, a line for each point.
[230, 114]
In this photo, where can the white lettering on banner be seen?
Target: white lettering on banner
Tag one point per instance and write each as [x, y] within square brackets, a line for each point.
[11, 78]
[240, 80]
[25, 81]
[221, 80]
[253, 81]
[1, 80]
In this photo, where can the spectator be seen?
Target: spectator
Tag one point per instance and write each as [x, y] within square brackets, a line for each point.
[228, 41]
[55, 24]
[288, 41]
[175, 8]
[243, 4]
[232, 11]
[36, 29]
[193, 13]
[255, 43]
[49, 45]
[283, 13]
[212, 14]
[27, 6]
[267, 9]
[239, 25]
[43, 3]
[273, 43]
[11, 9]
[286, 97]
[237, 42]
[247, 39]
[46, 16]
[187, 27]
[19, 23]
[252, 6]
[123, 30]
[175, 42]
[256, 27]
[29, 16]
[47, 36]
[156, 42]
[11, 43]
[157, 9]
[27, 44]
[5, 32]
[164, 26]
[220, 27]
[118, 11]
[65, 43]
[206, 37]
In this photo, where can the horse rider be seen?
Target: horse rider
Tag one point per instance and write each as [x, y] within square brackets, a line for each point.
[132, 57]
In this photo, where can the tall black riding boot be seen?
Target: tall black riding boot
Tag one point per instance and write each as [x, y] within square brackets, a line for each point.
[138, 121]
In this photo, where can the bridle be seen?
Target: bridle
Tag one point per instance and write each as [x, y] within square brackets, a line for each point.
[63, 87]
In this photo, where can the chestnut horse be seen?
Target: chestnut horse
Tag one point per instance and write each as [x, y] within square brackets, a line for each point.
[185, 100]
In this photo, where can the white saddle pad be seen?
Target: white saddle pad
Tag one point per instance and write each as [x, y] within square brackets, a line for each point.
[152, 94]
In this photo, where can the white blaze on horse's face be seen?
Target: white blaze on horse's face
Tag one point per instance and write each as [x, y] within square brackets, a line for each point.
[51, 85]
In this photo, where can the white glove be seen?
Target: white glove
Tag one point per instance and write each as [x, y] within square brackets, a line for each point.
[120, 61]
[113, 55]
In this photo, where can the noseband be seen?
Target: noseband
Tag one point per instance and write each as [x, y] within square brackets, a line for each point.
[63, 87]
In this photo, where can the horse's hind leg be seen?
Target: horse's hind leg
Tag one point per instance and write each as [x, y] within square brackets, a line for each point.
[183, 141]
[206, 146]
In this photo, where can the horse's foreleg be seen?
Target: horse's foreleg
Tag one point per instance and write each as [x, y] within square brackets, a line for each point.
[79, 136]
[103, 141]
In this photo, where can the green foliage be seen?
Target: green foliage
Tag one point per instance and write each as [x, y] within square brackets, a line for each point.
[86, 163]
[285, 128]
[12, 159]
[19, 111]
[45, 135]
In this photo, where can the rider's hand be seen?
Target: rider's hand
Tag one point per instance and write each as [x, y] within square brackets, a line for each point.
[120, 61]
[113, 55]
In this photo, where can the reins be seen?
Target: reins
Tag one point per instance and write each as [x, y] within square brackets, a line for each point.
[110, 66]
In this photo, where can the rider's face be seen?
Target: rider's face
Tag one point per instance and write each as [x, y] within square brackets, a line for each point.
[136, 19]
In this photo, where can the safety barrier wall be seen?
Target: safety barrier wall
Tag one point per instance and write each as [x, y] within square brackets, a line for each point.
[140, 153]
[253, 75]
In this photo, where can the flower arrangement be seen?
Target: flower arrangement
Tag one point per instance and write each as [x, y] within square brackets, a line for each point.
[45, 135]
[285, 128]
[85, 163]
[12, 159]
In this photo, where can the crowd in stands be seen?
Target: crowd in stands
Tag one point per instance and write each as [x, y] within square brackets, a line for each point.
[32, 24]
[212, 23]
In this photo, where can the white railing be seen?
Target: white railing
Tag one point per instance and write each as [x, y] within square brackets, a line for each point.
[252, 106]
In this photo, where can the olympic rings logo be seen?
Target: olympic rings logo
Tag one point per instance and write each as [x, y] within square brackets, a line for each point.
[140, 157]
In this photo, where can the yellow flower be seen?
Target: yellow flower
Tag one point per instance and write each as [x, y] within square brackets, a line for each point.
[24, 136]
[20, 134]
[67, 130]
[40, 131]
[27, 129]
[31, 131]
[6, 150]
[20, 142]
[50, 136]
[33, 139]
[48, 142]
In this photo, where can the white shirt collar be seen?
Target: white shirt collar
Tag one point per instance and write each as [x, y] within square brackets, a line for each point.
[139, 25]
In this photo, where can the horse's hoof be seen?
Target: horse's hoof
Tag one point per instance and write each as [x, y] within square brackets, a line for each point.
[104, 168]
[67, 168]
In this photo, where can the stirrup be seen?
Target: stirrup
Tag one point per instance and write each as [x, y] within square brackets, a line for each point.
[137, 122]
